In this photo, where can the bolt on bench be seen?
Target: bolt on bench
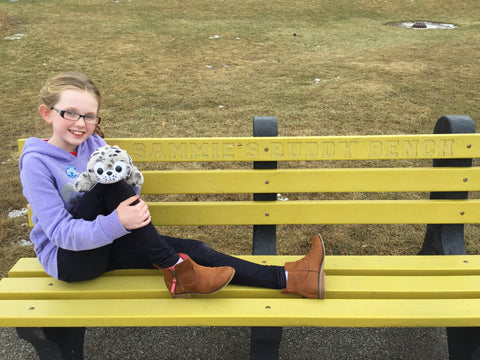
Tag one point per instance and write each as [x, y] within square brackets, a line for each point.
[362, 291]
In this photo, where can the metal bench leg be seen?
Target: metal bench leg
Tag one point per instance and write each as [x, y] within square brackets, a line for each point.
[55, 343]
[265, 343]
[464, 343]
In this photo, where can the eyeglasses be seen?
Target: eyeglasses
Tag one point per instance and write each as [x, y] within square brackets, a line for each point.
[73, 116]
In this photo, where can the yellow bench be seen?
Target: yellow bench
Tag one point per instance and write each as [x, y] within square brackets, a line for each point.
[362, 291]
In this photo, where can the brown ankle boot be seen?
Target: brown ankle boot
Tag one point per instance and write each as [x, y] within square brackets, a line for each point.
[188, 278]
[306, 276]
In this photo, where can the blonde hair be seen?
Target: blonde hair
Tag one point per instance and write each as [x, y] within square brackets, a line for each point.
[50, 93]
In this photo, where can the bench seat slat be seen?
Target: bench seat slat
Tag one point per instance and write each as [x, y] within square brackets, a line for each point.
[316, 212]
[311, 180]
[402, 287]
[241, 312]
[149, 287]
[334, 265]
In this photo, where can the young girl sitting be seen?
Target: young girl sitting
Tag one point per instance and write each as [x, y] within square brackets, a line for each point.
[79, 236]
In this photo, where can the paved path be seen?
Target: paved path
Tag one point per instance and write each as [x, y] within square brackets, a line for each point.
[233, 343]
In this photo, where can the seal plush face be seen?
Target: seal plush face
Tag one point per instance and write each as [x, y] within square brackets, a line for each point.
[108, 165]
[109, 172]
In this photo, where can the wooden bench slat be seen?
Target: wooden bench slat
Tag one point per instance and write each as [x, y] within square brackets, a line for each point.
[128, 287]
[403, 265]
[302, 148]
[241, 312]
[299, 148]
[402, 287]
[316, 212]
[311, 180]
[313, 212]
[31, 267]
[334, 265]
[338, 287]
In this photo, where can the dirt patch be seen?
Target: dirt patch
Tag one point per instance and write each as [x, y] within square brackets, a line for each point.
[8, 24]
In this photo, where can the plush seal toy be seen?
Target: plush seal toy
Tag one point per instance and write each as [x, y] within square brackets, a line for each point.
[107, 165]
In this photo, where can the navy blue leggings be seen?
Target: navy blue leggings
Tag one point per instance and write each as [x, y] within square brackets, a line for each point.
[142, 248]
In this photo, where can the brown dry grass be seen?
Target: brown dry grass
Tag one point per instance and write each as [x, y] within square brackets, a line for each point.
[150, 60]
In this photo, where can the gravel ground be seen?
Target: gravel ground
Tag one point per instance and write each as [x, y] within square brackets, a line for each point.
[234, 343]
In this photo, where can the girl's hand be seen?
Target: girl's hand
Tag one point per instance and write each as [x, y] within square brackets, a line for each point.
[133, 216]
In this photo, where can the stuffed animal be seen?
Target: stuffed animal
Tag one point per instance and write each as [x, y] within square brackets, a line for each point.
[107, 165]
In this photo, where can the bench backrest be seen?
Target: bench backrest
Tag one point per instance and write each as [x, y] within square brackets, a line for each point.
[376, 167]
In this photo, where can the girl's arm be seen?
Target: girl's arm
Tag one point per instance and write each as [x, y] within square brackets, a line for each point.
[52, 218]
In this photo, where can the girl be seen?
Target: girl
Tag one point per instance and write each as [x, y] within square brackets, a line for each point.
[81, 236]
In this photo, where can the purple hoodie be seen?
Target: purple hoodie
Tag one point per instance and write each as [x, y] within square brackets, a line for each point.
[48, 174]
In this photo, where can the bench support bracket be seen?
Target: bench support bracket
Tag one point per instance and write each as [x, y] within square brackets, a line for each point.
[265, 341]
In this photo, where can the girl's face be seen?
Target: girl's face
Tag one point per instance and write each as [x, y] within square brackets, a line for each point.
[67, 134]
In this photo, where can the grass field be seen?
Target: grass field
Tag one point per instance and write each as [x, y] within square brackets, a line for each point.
[205, 68]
